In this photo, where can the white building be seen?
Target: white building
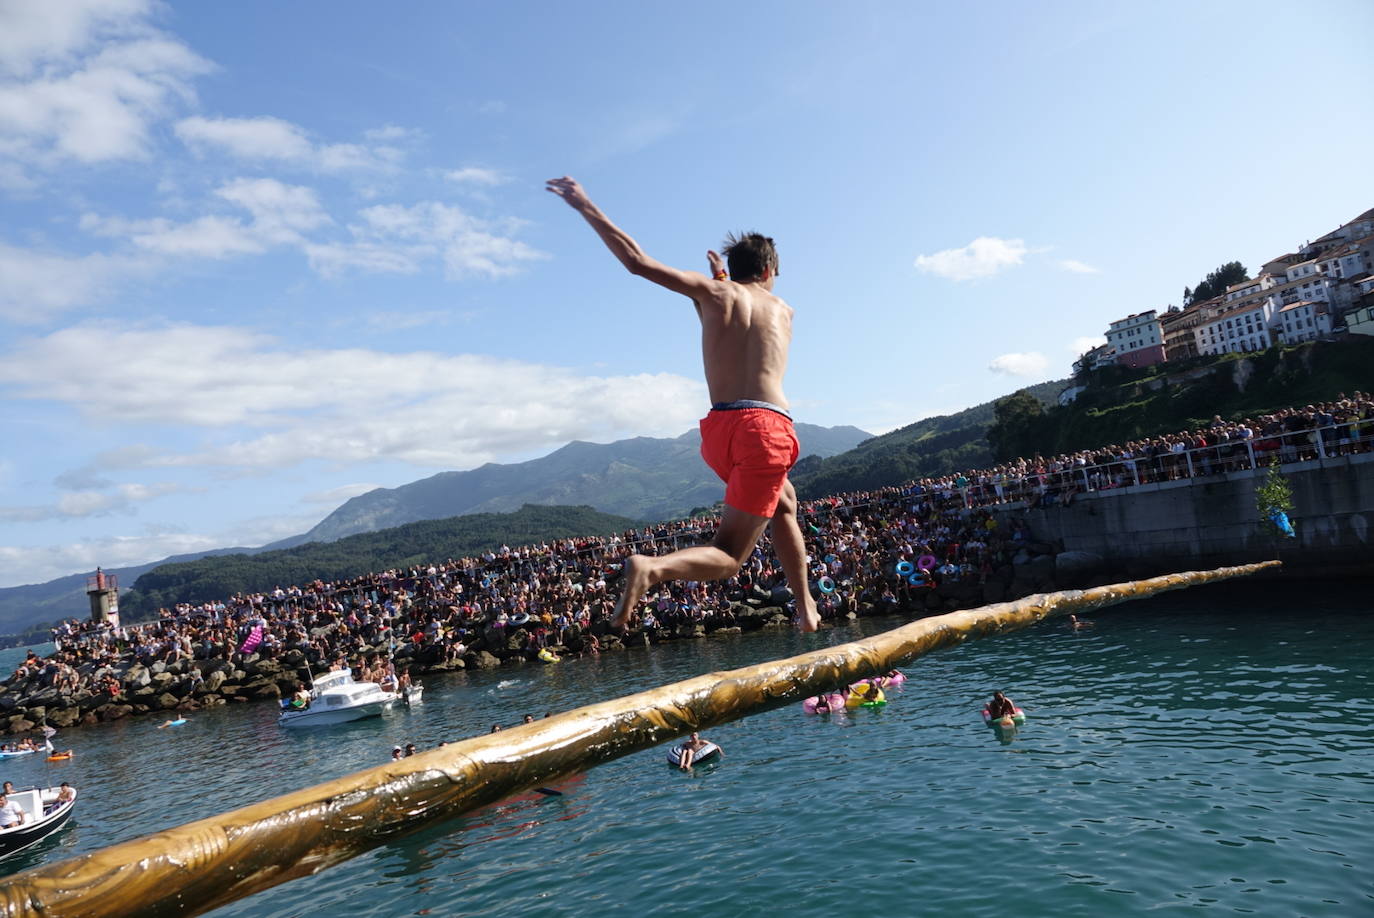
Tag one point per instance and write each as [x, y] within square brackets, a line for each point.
[1241, 329]
[1137, 339]
[1303, 321]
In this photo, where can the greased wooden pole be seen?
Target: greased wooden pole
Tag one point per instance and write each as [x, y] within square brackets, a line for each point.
[202, 865]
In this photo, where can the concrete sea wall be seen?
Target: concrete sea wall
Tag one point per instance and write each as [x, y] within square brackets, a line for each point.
[1213, 521]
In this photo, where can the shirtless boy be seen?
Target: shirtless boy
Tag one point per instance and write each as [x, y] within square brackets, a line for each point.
[747, 439]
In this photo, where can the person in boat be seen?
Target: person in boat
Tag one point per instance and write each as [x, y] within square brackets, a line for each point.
[65, 795]
[10, 813]
[387, 681]
[1000, 706]
[301, 699]
[689, 751]
[1078, 624]
[747, 438]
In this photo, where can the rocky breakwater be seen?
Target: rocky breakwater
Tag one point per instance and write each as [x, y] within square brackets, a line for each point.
[108, 692]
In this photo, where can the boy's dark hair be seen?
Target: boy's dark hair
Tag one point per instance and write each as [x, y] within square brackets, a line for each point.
[749, 255]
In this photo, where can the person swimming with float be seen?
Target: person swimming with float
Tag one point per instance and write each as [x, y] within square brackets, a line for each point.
[1000, 707]
[689, 750]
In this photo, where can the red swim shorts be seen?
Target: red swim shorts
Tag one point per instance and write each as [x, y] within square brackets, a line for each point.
[751, 449]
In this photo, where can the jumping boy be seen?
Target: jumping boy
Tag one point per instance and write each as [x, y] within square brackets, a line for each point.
[747, 439]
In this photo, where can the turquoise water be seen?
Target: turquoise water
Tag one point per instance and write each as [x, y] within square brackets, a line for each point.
[1194, 751]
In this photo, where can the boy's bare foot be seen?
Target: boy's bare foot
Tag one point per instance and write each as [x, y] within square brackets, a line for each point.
[634, 584]
[807, 618]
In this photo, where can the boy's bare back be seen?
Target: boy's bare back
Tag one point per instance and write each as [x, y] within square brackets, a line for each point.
[745, 335]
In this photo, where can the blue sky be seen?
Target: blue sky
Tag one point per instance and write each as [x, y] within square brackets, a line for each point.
[257, 257]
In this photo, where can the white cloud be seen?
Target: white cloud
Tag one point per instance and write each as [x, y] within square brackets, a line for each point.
[248, 138]
[36, 285]
[280, 215]
[474, 175]
[286, 406]
[1078, 267]
[271, 139]
[33, 33]
[84, 81]
[399, 239]
[1085, 343]
[1030, 363]
[38, 564]
[91, 502]
[392, 132]
[983, 257]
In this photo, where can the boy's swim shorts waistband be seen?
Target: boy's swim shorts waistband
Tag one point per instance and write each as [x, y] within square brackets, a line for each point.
[743, 403]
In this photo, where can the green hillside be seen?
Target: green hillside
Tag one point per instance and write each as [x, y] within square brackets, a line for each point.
[403, 546]
[934, 446]
[1121, 404]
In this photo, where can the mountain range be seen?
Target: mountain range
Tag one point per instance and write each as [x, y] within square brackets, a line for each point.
[643, 478]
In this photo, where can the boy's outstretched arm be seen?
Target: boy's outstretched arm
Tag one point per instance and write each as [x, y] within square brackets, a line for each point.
[688, 283]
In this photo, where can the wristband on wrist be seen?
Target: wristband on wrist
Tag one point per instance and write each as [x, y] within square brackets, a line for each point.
[721, 275]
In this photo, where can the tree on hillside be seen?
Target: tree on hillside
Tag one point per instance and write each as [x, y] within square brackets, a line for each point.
[1216, 282]
[1016, 425]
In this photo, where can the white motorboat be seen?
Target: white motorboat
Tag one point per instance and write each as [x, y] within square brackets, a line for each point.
[414, 693]
[335, 698]
[44, 814]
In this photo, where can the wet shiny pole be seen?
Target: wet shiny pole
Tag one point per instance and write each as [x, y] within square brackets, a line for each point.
[203, 865]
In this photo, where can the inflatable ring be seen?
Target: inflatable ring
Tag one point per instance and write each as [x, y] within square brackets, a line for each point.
[904, 568]
[59, 756]
[916, 580]
[826, 584]
[926, 562]
[857, 697]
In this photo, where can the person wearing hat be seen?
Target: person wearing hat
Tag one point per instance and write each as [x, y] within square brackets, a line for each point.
[396, 752]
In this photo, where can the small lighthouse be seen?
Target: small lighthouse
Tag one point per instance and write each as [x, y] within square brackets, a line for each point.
[103, 589]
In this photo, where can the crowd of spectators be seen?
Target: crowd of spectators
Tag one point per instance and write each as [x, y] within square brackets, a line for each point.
[871, 551]
[1321, 430]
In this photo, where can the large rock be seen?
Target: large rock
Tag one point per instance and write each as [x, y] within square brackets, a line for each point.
[19, 723]
[484, 660]
[263, 690]
[167, 701]
[64, 717]
[215, 680]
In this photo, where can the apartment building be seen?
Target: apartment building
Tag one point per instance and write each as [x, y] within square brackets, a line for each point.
[1137, 340]
[1303, 321]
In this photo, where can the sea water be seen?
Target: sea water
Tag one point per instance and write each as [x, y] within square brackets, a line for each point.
[1210, 749]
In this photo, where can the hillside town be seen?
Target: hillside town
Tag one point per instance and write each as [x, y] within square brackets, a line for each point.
[1324, 289]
